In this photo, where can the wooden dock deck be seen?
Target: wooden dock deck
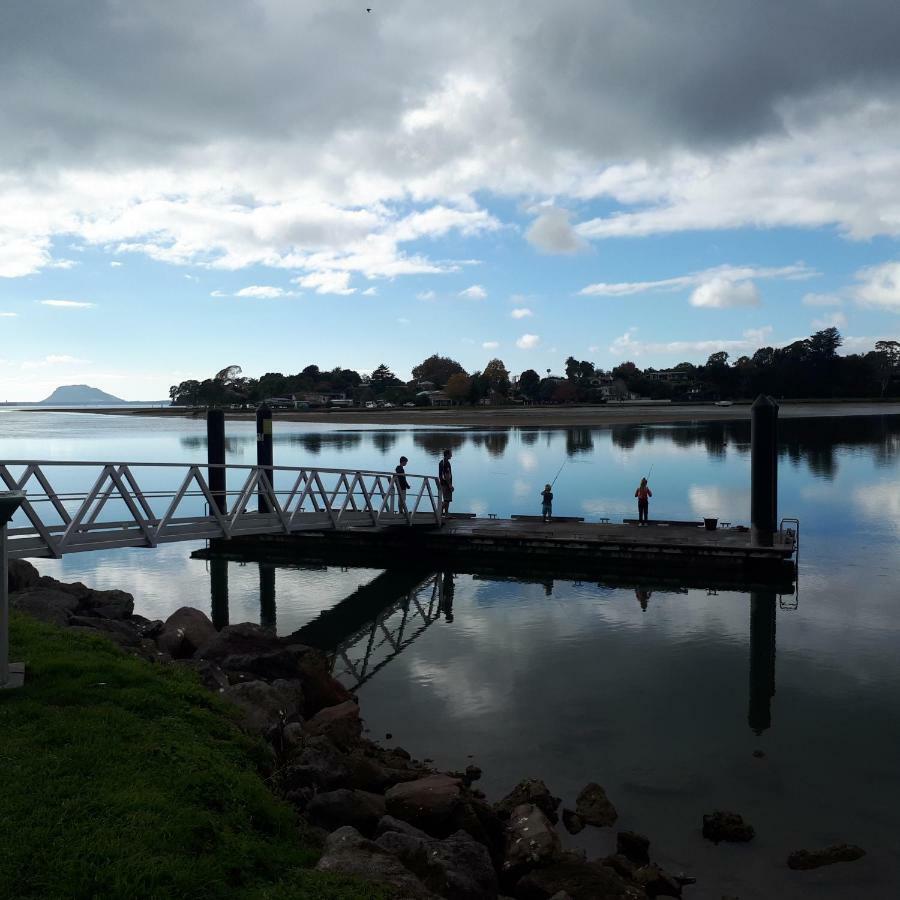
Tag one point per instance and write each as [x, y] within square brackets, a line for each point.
[560, 548]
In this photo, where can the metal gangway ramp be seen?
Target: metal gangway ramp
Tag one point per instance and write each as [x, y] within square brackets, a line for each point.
[73, 507]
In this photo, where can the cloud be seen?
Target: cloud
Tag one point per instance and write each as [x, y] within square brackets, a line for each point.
[55, 360]
[628, 346]
[551, 232]
[327, 282]
[521, 312]
[426, 295]
[370, 292]
[528, 341]
[67, 304]
[115, 264]
[821, 300]
[8, 315]
[475, 292]
[721, 293]
[797, 271]
[490, 345]
[879, 286]
[403, 321]
[832, 320]
[262, 292]
[218, 294]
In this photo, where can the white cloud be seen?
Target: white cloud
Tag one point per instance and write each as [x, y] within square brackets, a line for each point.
[832, 320]
[552, 232]
[627, 345]
[795, 272]
[191, 278]
[721, 293]
[521, 312]
[370, 292]
[426, 295]
[491, 345]
[327, 282]
[66, 304]
[218, 294]
[115, 264]
[528, 341]
[403, 321]
[821, 300]
[879, 286]
[261, 291]
[55, 360]
[475, 292]
[8, 315]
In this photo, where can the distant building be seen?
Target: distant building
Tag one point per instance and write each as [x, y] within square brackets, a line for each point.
[436, 398]
[670, 375]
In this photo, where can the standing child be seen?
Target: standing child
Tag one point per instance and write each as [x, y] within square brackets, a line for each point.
[643, 493]
[402, 484]
[546, 503]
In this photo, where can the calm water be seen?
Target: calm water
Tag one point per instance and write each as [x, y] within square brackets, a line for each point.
[661, 695]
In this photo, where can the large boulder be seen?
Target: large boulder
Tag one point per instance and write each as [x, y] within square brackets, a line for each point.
[263, 706]
[531, 841]
[109, 604]
[319, 764]
[580, 880]
[184, 631]
[320, 690]
[594, 807]
[347, 852]
[457, 867]
[21, 575]
[726, 826]
[656, 882]
[432, 803]
[530, 790]
[122, 633]
[240, 639]
[633, 846]
[341, 724]
[333, 809]
[45, 603]
[813, 859]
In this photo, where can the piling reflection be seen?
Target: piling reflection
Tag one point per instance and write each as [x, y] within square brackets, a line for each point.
[762, 660]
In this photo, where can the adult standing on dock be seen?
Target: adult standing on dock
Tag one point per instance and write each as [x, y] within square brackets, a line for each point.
[445, 477]
[402, 485]
[643, 493]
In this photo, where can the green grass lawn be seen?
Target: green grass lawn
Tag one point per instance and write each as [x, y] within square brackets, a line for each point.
[119, 778]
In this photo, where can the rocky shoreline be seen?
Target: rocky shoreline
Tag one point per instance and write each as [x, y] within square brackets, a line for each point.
[381, 815]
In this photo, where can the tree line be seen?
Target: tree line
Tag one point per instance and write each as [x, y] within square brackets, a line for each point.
[810, 368]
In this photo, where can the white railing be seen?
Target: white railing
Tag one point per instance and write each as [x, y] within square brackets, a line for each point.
[73, 507]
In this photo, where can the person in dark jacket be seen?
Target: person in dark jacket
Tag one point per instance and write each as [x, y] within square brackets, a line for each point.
[547, 503]
[402, 485]
[445, 477]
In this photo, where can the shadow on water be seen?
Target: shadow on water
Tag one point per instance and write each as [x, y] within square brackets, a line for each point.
[364, 631]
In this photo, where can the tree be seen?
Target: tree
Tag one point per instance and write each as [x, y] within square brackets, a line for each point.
[824, 344]
[529, 384]
[458, 387]
[887, 364]
[437, 369]
[382, 378]
[497, 376]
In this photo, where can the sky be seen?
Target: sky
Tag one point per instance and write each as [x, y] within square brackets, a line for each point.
[269, 184]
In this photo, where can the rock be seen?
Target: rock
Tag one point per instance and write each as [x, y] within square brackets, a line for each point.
[319, 764]
[45, 603]
[340, 724]
[726, 826]
[389, 823]
[656, 882]
[456, 867]
[813, 859]
[583, 881]
[399, 751]
[75, 589]
[561, 895]
[184, 631]
[123, 633]
[111, 604]
[292, 737]
[758, 754]
[347, 852]
[241, 639]
[431, 803]
[320, 690]
[473, 773]
[210, 675]
[21, 575]
[572, 821]
[360, 809]
[368, 773]
[265, 706]
[149, 628]
[621, 864]
[633, 846]
[530, 790]
[593, 806]
[530, 841]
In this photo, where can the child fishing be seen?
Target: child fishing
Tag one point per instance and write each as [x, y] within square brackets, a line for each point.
[547, 502]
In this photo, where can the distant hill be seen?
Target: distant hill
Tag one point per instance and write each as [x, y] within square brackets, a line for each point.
[79, 395]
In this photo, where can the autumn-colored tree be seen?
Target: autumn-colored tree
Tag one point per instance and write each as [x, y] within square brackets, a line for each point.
[458, 386]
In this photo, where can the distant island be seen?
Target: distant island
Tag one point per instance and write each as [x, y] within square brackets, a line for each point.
[79, 395]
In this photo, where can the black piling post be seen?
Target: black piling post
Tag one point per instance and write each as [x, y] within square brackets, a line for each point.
[215, 456]
[763, 470]
[267, 614]
[762, 660]
[264, 452]
[218, 590]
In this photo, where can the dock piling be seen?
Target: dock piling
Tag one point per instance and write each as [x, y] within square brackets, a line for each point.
[264, 451]
[215, 456]
[763, 470]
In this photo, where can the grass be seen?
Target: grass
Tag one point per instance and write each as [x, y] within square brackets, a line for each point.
[119, 778]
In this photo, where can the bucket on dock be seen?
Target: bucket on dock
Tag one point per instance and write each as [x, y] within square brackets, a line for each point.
[710, 524]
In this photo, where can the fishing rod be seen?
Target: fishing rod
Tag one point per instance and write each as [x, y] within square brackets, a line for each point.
[647, 476]
[558, 473]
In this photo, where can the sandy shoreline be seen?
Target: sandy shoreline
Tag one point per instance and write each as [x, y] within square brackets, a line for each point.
[535, 416]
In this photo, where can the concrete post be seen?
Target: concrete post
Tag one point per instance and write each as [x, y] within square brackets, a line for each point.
[218, 590]
[215, 456]
[762, 659]
[267, 610]
[264, 450]
[763, 470]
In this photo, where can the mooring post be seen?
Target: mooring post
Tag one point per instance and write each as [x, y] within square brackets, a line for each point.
[267, 611]
[11, 674]
[762, 659]
[218, 590]
[215, 457]
[763, 470]
[264, 452]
